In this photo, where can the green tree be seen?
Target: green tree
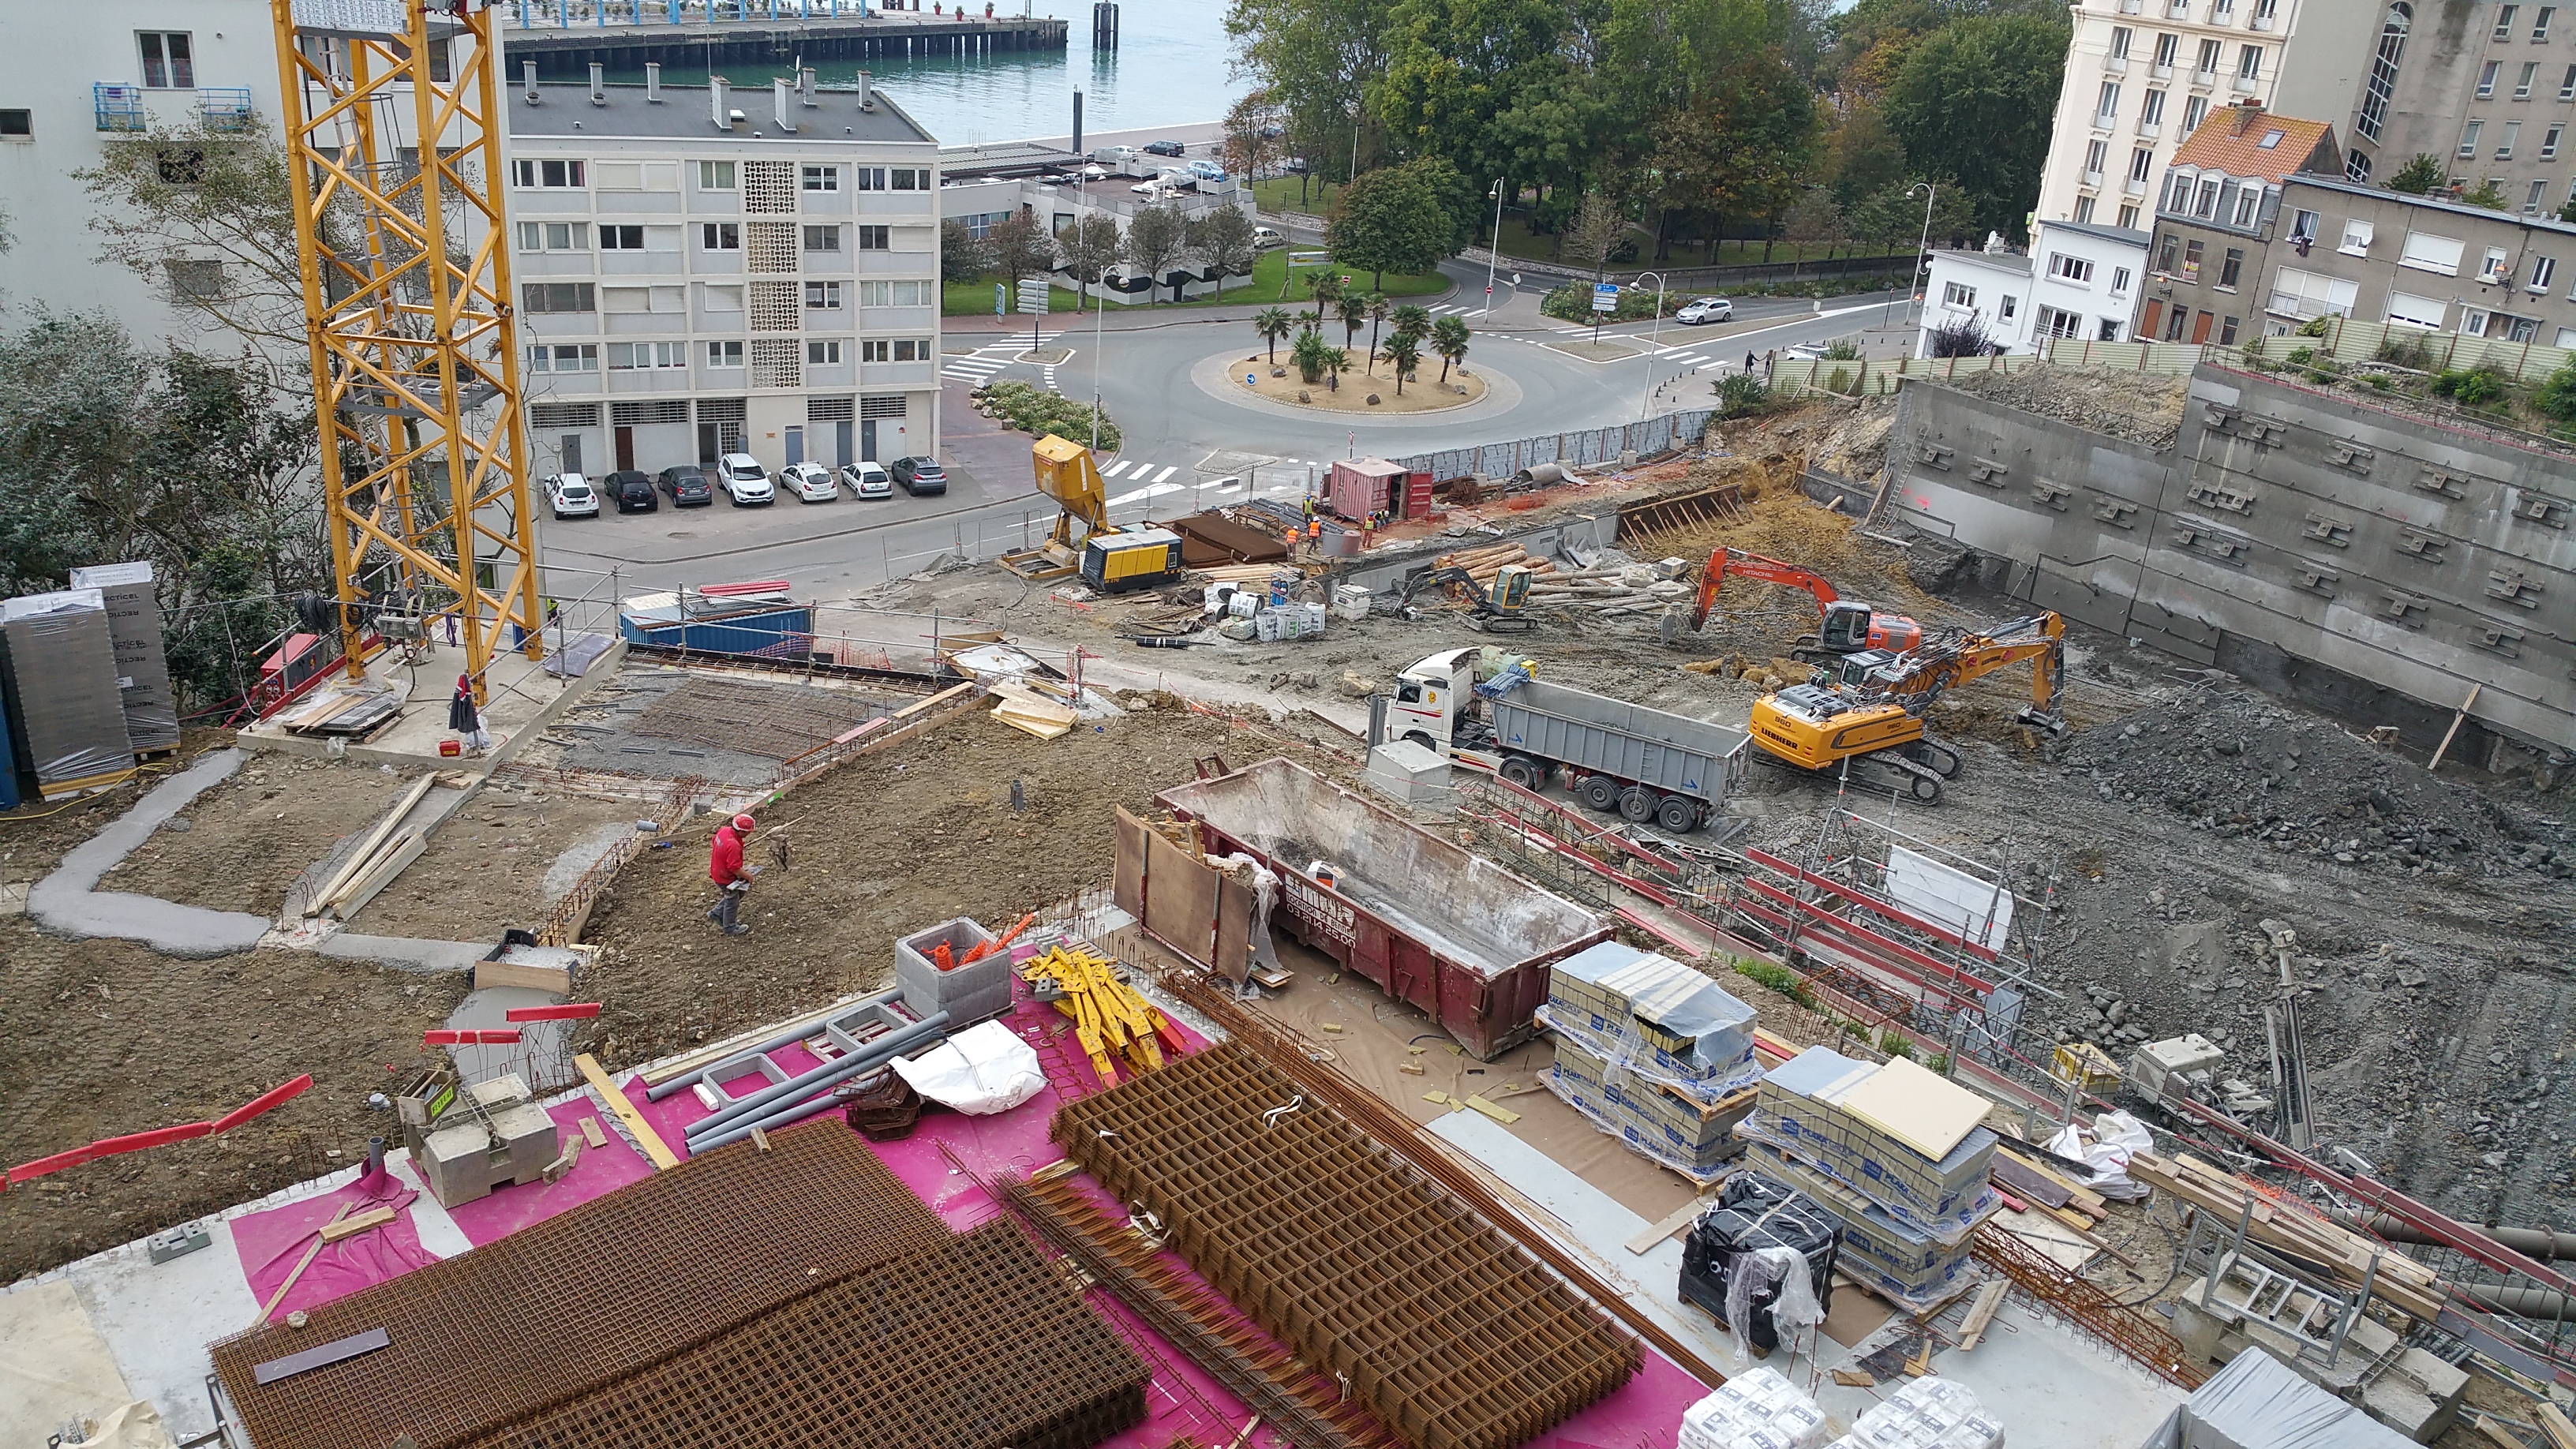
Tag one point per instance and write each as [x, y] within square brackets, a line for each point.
[1156, 239]
[1309, 356]
[1862, 155]
[1742, 147]
[1975, 101]
[1815, 221]
[1406, 353]
[2488, 193]
[1021, 247]
[1223, 239]
[1272, 323]
[1449, 339]
[217, 208]
[1352, 307]
[2419, 175]
[1399, 219]
[1089, 248]
[1378, 307]
[1411, 321]
[1315, 60]
[1893, 218]
[2557, 395]
[1453, 66]
[962, 257]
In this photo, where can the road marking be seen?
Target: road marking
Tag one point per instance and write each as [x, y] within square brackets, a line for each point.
[1114, 469]
[1166, 473]
[1142, 493]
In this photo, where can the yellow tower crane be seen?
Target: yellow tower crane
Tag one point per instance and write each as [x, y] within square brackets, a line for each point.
[393, 134]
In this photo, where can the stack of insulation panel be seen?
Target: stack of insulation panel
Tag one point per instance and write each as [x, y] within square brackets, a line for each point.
[1649, 1049]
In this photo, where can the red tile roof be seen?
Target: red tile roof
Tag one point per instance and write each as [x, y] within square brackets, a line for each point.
[2232, 140]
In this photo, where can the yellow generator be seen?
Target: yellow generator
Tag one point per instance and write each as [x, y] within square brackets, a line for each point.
[1138, 558]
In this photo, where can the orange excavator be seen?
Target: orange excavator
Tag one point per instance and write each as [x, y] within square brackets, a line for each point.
[1847, 626]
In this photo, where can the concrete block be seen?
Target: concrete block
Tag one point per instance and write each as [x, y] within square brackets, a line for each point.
[968, 993]
[1407, 773]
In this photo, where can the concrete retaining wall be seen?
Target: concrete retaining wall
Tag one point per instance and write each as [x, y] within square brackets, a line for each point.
[2286, 529]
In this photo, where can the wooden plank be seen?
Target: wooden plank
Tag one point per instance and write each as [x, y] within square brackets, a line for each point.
[591, 1134]
[396, 859]
[2444, 747]
[1990, 1298]
[321, 1356]
[2555, 1424]
[297, 1271]
[2498, 1433]
[615, 1101]
[556, 979]
[1504, 1115]
[942, 697]
[709, 1055]
[2019, 1178]
[1679, 1218]
[375, 841]
[1127, 868]
[337, 1229]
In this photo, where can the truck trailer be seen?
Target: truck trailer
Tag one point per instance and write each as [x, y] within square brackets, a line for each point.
[1645, 763]
[1429, 921]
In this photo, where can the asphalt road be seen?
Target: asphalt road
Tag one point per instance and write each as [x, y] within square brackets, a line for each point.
[1183, 441]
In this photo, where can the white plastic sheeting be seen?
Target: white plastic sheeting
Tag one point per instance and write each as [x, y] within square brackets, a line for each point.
[2115, 1137]
[1929, 1413]
[1949, 897]
[2258, 1402]
[979, 1071]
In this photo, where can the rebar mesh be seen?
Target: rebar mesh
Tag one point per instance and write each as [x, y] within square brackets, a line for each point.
[976, 1344]
[589, 1296]
[1453, 1336]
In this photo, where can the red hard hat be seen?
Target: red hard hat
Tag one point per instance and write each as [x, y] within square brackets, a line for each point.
[742, 822]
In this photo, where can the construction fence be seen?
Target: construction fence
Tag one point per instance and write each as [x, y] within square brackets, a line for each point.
[1877, 377]
[1587, 448]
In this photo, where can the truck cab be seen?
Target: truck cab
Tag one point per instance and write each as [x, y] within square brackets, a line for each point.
[1428, 698]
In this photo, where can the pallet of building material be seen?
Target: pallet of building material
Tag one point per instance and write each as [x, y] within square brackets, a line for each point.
[1801, 1111]
[2288, 1228]
[1026, 710]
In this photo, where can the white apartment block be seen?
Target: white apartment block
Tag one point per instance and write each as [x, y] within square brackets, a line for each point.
[703, 271]
[74, 78]
[2078, 281]
[2142, 74]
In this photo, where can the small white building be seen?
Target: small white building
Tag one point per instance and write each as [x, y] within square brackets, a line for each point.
[703, 270]
[2079, 280]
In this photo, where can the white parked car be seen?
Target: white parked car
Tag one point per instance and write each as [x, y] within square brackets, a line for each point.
[744, 480]
[1805, 351]
[1264, 238]
[868, 480]
[571, 496]
[1706, 309]
[809, 482]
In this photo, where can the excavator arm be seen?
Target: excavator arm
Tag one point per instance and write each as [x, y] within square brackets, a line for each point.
[1723, 560]
[2041, 641]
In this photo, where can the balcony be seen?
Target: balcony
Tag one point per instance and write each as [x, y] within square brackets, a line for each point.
[2202, 80]
[2116, 64]
[119, 107]
[2131, 7]
[2092, 180]
[2102, 121]
[2161, 72]
[2244, 84]
[2177, 9]
[2150, 130]
[225, 108]
[2134, 186]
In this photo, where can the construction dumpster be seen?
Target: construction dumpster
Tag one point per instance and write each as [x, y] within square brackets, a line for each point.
[1428, 921]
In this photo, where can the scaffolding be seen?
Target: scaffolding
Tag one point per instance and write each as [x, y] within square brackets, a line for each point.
[394, 157]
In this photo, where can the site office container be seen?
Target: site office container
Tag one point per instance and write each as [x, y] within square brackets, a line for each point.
[1428, 921]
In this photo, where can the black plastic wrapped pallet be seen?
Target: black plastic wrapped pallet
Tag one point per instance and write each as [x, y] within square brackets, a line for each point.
[62, 689]
[1754, 1211]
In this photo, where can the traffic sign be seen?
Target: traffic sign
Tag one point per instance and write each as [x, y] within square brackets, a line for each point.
[1033, 295]
[1001, 299]
[1605, 297]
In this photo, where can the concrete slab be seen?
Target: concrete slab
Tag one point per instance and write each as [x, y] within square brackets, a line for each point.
[68, 900]
[521, 699]
[157, 1318]
[403, 952]
[54, 1367]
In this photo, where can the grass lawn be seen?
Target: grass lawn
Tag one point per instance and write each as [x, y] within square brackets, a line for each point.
[972, 299]
[1279, 193]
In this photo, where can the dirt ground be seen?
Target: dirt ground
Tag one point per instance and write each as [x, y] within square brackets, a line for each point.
[36, 836]
[890, 844]
[102, 1038]
[246, 840]
[502, 860]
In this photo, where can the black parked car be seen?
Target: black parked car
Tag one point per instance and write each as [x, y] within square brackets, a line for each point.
[918, 476]
[1164, 148]
[687, 487]
[632, 491]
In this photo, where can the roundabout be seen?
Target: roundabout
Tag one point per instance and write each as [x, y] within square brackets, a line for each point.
[1425, 398]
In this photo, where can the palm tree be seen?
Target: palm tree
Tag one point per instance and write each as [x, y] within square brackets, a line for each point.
[1449, 339]
[1411, 321]
[1337, 360]
[1353, 309]
[1378, 307]
[1309, 356]
[1272, 323]
[1405, 351]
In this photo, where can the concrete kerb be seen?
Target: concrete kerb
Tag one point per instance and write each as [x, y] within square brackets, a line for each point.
[1216, 376]
[68, 902]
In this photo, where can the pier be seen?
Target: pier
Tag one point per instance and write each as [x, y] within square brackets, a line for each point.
[565, 50]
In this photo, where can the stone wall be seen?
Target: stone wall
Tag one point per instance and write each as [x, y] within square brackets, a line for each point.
[2372, 562]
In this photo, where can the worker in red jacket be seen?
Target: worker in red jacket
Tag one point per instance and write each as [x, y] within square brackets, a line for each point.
[732, 877]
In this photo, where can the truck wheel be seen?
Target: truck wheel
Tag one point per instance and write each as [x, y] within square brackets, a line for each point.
[1599, 791]
[1424, 740]
[1678, 814]
[1637, 803]
[1523, 771]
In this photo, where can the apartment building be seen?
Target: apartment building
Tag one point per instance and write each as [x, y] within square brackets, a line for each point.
[2079, 280]
[2216, 220]
[704, 271]
[2489, 89]
[75, 79]
[2426, 262]
[2143, 74]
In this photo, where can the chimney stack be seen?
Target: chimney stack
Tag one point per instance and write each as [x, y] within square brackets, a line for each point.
[653, 82]
[598, 84]
[778, 103]
[805, 85]
[716, 90]
[866, 100]
[528, 69]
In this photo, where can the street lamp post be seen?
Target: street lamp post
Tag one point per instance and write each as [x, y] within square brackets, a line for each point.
[1929, 190]
[1655, 344]
[1496, 250]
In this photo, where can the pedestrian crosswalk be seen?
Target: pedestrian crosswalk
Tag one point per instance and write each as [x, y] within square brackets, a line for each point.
[1456, 308]
[1134, 472]
[983, 362]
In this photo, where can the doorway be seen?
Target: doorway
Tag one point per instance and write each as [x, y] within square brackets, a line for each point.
[868, 439]
[570, 461]
[795, 445]
[841, 443]
[625, 450]
[717, 439]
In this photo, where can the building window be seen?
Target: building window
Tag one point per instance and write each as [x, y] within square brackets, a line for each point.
[2168, 251]
[2005, 305]
[822, 178]
[872, 239]
[2055, 323]
[2191, 255]
[2069, 269]
[2542, 269]
[2227, 332]
[2539, 192]
[2230, 268]
[2129, 217]
[724, 354]
[2109, 331]
[908, 349]
[621, 238]
[2504, 21]
[715, 176]
[564, 357]
[1955, 294]
[2567, 85]
[822, 238]
[560, 236]
[2207, 65]
[2248, 200]
[17, 123]
[195, 281]
[2427, 253]
[169, 62]
[2469, 137]
[2204, 203]
[2265, 13]
[2167, 45]
[721, 236]
[2119, 42]
[2249, 62]
[869, 178]
[2194, 111]
[2106, 110]
[821, 353]
[2303, 226]
[906, 179]
[823, 296]
[2383, 69]
[2175, 322]
[558, 297]
[2413, 311]
[2356, 238]
[2084, 208]
[550, 175]
[2119, 280]
[2487, 78]
[2151, 111]
[2549, 140]
[2141, 162]
[2494, 270]
[2504, 143]
[646, 356]
[2356, 166]
[897, 294]
[2540, 24]
[2096, 153]
[2522, 87]
[877, 351]
[2473, 322]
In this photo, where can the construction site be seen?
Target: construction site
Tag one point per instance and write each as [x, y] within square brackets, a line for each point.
[1697, 942]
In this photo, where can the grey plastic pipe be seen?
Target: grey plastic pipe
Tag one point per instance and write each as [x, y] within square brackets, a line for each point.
[759, 1104]
[786, 1038]
[798, 1112]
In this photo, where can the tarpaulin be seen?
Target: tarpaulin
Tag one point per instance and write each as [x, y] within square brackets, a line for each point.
[2257, 1402]
[62, 687]
[1977, 910]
